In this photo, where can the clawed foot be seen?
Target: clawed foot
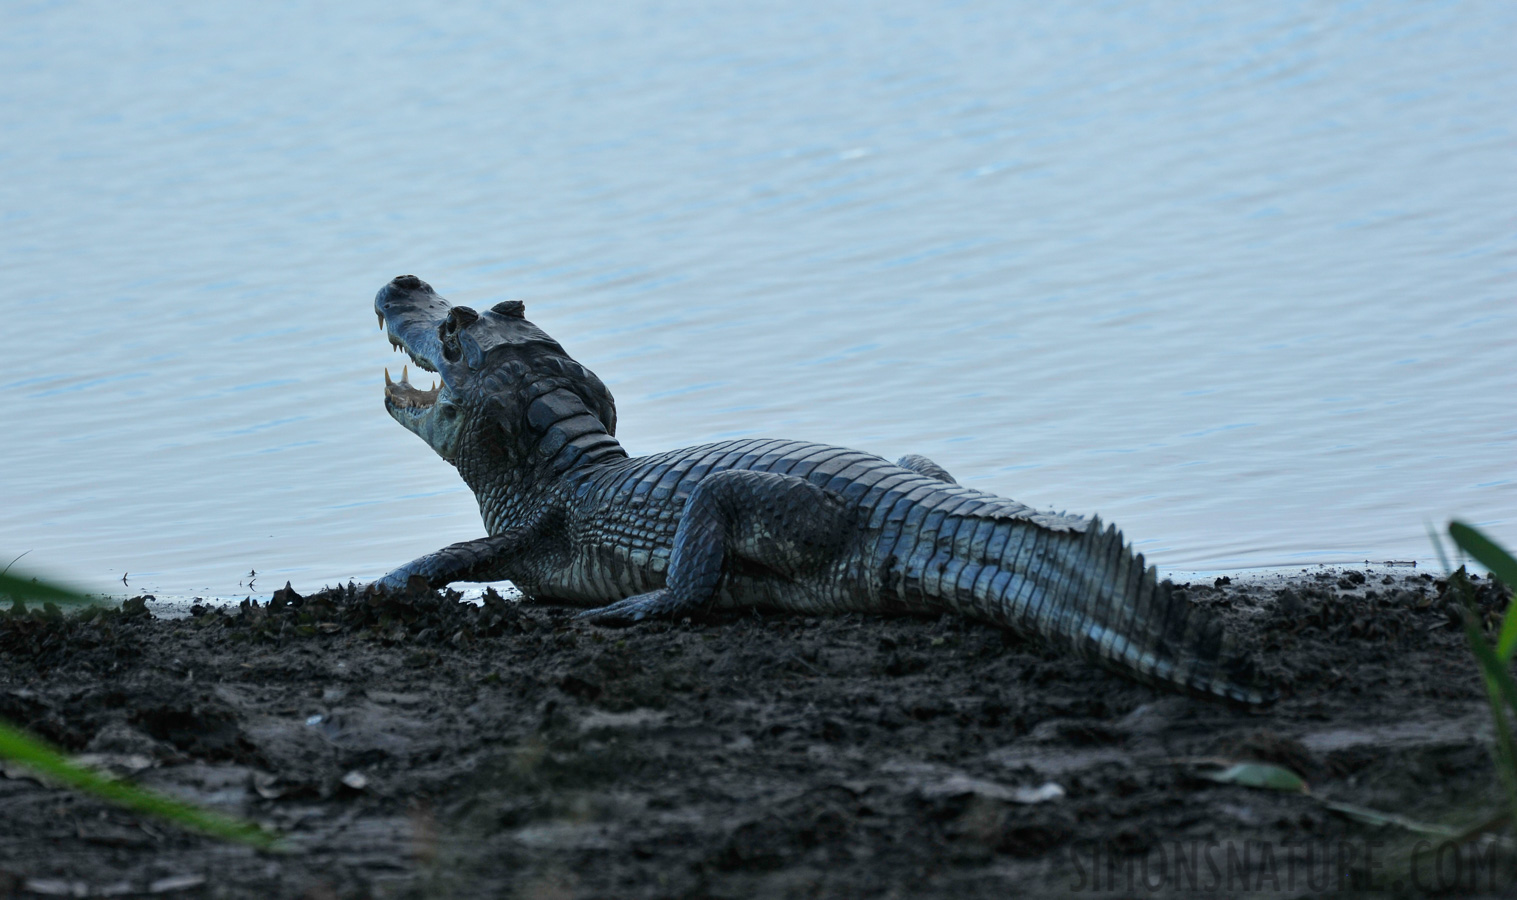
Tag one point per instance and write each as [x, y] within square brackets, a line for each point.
[630, 611]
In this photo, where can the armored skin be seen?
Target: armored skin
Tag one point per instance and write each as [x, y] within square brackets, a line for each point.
[776, 524]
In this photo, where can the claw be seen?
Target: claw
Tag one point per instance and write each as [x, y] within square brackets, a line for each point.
[629, 610]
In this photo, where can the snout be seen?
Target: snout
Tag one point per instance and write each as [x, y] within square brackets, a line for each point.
[409, 283]
[403, 290]
[410, 311]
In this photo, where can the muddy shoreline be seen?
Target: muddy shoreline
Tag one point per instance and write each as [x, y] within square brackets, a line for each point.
[419, 747]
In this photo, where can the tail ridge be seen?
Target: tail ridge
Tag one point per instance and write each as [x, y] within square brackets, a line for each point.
[1087, 591]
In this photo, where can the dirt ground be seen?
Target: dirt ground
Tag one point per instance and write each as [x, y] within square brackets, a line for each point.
[414, 746]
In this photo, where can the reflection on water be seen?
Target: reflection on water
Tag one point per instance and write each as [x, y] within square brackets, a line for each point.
[1237, 278]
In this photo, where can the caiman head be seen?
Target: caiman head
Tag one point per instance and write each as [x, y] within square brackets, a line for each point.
[509, 397]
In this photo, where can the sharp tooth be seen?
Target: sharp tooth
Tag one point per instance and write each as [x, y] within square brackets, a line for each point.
[388, 382]
[434, 385]
[381, 319]
[405, 374]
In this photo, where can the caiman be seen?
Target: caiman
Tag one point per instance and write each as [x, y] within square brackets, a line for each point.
[776, 524]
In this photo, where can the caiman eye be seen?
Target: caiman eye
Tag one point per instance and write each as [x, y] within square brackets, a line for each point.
[459, 318]
[448, 337]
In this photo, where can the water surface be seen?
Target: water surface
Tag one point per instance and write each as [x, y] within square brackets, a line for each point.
[1238, 277]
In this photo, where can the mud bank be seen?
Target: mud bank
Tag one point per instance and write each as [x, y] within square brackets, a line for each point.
[419, 747]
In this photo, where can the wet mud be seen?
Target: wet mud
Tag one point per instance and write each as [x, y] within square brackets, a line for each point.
[416, 746]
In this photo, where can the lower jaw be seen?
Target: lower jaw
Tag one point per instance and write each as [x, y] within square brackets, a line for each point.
[405, 415]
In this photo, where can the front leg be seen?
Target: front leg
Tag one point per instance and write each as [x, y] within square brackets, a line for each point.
[482, 559]
[772, 526]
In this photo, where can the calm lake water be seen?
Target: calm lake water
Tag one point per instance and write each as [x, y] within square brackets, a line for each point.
[1240, 277]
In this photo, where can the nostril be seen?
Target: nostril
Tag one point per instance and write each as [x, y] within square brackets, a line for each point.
[408, 282]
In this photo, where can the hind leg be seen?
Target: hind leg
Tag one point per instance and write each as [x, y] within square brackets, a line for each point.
[777, 526]
[916, 462]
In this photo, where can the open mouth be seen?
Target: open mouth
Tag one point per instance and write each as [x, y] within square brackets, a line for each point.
[402, 394]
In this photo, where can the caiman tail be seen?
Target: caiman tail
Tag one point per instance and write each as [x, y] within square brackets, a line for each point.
[1088, 593]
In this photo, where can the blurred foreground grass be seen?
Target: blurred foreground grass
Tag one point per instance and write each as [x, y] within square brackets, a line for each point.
[1495, 662]
[56, 767]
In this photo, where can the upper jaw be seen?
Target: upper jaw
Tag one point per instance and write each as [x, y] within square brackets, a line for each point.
[409, 312]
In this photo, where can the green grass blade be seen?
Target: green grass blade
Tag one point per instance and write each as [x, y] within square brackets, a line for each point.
[1499, 687]
[19, 588]
[1503, 566]
[1443, 557]
[1506, 757]
[1486, 551]
[1377, 818]
[1259, 775]
[17, 745]
[1496, 673]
